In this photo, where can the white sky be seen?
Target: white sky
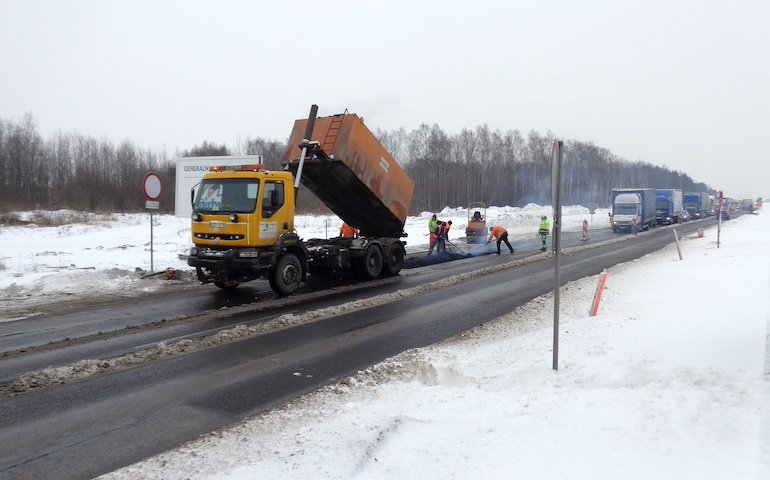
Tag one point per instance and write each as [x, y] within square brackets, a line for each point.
[675, 83]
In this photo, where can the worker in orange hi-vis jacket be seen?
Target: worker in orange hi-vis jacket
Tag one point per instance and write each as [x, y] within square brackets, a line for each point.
[443, 236]
[348, 231]
[501, 234]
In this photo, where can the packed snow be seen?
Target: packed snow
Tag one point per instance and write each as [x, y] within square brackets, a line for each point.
[670, 380]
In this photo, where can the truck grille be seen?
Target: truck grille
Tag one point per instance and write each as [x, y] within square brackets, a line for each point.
[220, 236]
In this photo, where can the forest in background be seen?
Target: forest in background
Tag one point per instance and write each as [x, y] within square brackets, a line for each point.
[495, 167]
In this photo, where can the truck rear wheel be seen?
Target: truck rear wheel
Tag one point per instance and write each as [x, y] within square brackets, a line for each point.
[395, 259]
[370, 265]
[285, 276]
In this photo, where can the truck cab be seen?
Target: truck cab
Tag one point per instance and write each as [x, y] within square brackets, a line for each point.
[242, 206]
[242, 221]
[663, 212]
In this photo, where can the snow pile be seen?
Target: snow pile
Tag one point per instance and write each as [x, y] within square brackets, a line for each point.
[668, 382]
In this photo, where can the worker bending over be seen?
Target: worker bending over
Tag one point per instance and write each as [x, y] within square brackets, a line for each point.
[443, 236]
[501, 235]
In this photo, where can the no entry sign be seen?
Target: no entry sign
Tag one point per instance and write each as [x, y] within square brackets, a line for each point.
[152, 186]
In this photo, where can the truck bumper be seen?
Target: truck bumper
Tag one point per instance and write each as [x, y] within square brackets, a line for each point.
[223, 265]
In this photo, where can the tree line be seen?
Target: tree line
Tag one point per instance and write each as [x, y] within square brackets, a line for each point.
[495, 167]
[509, 168]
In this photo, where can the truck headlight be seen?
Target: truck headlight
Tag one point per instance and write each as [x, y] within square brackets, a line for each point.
[248, 253]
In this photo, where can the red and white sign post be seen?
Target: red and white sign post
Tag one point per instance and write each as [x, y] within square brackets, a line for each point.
[152, 191]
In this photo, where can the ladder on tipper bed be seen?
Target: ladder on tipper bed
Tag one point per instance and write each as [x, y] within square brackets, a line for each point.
[332, 133]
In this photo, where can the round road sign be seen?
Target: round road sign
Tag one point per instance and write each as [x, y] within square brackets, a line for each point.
[152, 186]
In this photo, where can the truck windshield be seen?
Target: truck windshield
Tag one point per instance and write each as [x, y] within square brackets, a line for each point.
[230, 195]
[625, 210]
[662, 205]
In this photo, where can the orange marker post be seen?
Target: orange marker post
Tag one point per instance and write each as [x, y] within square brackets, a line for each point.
[598, 295]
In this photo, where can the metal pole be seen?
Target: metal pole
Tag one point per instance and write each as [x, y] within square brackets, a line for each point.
[308, 137]
[556, 194]
[152, 266]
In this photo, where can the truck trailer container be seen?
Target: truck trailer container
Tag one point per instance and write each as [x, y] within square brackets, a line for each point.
[698, 204]
[668, 206]
[747, 205]
[632, 206]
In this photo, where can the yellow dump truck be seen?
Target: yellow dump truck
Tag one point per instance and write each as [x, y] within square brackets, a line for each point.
[243, 217]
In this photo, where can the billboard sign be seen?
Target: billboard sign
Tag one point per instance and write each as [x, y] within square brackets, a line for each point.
[190, 171]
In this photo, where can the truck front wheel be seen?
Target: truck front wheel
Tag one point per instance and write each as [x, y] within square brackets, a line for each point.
[285, 276]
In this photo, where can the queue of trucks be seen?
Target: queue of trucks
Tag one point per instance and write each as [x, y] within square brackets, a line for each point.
[643, 208]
